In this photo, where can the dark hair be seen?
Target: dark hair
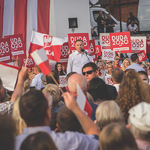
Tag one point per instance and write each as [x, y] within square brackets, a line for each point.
[78, 41]
[116, 136]
[1, 84]
[67, 121]
[98, 89]
[134, 57]
[117, 75]
[7, 132]
[53, 121]
[49, 79]
[56, 69]
[143, 73]
[90, 64]
[38, 141]
[33, 107]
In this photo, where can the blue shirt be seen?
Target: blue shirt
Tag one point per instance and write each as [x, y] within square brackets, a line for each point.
[136, 67]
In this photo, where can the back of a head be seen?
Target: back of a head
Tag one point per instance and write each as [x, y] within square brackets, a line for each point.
[53, 90]
[67, 121]
[33, 107]
[108, 112]
[117, 75]
[134, 57]
[38, 141]
[77, 79]
[116, 136]
[49, 78]
[7, 132]
[90, 64]
[98, 89]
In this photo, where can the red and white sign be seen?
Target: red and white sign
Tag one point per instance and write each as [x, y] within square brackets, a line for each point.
[108, 55]
[92, 50]
[72, 37]
[148, 46]
[30, 62]
[62, 81]
[138, 43]
[17, 45]
[142, 56]
[5, 51]
[108, 79]
[120, 41]
[52, 45]
[98, 50]
[105, 41]
[64, 53]
[9, 76]
[41, 60]
[83, 103]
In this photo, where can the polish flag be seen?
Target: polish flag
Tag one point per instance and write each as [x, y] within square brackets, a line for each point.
[52, 45]
[83, 103]
[8, 75]
[41, 60]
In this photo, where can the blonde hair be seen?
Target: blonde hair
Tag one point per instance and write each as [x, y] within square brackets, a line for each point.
[20, 123]
[53, 90]
[110, 64]
[123, 65]
[107, 112]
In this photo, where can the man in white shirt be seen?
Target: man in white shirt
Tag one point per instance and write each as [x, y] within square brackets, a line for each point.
[78, 58]
[37, 81]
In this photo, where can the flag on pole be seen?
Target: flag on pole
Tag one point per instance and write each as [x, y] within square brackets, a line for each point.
[83, 103]
[41, 60]
[52, 45]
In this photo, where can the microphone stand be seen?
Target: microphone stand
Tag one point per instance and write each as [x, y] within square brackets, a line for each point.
[82, 50]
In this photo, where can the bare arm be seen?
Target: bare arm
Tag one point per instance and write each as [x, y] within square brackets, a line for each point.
[20, 83]
[87, 124]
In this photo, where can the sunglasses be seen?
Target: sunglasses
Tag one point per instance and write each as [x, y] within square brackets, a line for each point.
[117, 59]
[88, 72]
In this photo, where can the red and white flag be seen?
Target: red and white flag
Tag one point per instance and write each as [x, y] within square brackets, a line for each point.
[52, 45]
[41, 60]
[22, 16]
[8, 75]
[83, 103]
[92, 50]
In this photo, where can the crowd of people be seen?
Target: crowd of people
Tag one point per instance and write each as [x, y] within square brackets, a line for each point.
[38, 115]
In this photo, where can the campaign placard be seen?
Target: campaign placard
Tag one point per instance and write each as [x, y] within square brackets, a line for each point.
[120, 41]
[142, 56]
[17, 45]
[108, 55]
[105, 41]
[72, 37]
[64, 53]
[98, 50]
[30, 62]
[62, 81]
[138, 43]
[5, 50]
[148, 46]
[92, 50]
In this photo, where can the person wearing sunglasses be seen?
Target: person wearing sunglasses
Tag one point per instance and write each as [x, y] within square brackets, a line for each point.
[117, 62]
[78, 58]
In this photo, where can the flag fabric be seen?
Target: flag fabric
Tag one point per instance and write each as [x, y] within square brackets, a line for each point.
[52, 45]
[41, 60]
[83, 103]
[8, 75]
[22, 16]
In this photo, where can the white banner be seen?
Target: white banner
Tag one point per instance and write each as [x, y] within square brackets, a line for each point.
[105, 41]
[108, 55]
[62, 81]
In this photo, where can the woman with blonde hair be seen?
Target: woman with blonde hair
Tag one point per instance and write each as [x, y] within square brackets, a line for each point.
[20, 124]
[126, 63]
[131, 92]
[108, 78]
[101, 69]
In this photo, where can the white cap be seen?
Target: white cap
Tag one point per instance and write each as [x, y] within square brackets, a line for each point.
[139, 116]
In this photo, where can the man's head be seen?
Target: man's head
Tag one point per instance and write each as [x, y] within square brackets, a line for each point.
[108, 16]
[90, 71]
[144, 76]
[74, 80]
[79, 44]
[117, 61]
[37, 69]
[1, 89]
[135, 58]
[117, 75]
[34, 108]
[139, 121]
[100, 13]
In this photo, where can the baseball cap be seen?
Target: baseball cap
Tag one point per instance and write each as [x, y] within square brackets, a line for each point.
[139, 116]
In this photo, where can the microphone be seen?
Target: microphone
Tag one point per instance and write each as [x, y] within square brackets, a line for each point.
[82, 50]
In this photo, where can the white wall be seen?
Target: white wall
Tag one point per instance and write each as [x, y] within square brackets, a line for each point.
[61, 10]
